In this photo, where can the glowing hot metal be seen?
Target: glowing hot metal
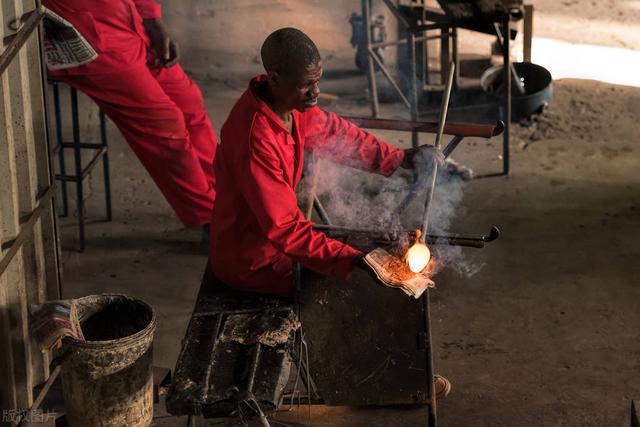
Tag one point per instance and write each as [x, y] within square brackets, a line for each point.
[418, 255]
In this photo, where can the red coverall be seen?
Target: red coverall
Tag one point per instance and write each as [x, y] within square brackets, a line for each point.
[257, 230]
[160, 111]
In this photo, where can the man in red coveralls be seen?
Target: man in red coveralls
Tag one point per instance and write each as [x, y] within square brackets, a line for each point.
[257, 230]
[137, 82]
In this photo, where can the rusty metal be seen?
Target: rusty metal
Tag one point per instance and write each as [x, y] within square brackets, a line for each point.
[459, 129]
[30, 25]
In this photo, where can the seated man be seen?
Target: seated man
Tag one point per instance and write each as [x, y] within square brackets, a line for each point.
[257, 231]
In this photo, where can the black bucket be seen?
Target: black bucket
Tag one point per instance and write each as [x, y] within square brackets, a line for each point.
[538, 88]
[107, 377]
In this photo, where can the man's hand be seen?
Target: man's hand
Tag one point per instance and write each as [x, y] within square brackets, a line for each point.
[165, 49]
[421, 157]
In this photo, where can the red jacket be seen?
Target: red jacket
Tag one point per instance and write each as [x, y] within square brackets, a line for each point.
[257, 230]
[112, 27]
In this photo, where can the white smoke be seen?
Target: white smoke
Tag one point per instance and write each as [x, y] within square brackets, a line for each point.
[357, 199]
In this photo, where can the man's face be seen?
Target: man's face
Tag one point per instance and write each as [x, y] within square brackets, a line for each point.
[299, 90]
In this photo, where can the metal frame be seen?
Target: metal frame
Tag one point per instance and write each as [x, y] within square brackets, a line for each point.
[80, 172]
[448, 53]
[29, 257]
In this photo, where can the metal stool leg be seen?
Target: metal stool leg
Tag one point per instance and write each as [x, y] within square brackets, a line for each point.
[58, 121]
[77, 155]
[105, 165]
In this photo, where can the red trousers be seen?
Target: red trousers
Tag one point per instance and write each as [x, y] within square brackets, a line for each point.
[161, 114]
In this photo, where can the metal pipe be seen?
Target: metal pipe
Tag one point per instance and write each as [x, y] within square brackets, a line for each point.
[505, 45]
[105, 165]
[432, 411]
[41, 396]
[371, 72]
[452, 145]
[461, 129]
[414, 88]
[443, 117]
[77, 155]
[506, 117]
[469, 240]
[322, 213]
[386, 73]
[58, 120]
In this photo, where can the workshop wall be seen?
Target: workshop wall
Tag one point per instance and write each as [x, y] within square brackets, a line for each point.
[28, 243]
[213, 34]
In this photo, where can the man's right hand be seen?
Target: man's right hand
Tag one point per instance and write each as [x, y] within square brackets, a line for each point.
[165, 49]
[423, 156]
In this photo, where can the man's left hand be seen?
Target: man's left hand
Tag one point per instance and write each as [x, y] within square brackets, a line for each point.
[165, 49]
[423, 156]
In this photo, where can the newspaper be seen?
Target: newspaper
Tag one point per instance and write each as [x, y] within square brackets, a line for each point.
[64, 46]
[54, 320]
[395, 273]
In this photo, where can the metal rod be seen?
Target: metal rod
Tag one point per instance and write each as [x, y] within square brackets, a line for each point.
[527, 30]
[371, 71]
[58, 121]
[105, 165]
[392, 7]
[454, 55]
[21, 37]
[432, 410]
[322, 213]
[400, 42]
[470, 240]
[77, 155]
[41, 396]
[83, 145]
[414, 88]
[26, 229]
[313, 187]
[460, 129]
[386, 73]
[506, 117]
[452, 145]
[505, 46]
[443, 118]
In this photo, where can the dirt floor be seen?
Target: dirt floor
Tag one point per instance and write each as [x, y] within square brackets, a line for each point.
[543, 334]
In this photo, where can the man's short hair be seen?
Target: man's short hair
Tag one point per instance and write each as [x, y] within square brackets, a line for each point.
[288, 49]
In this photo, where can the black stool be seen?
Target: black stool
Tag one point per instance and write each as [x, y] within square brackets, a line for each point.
[80, 172]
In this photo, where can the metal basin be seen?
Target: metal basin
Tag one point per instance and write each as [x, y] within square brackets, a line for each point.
[537, 84]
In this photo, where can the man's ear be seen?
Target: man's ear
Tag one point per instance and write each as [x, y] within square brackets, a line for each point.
[273, 78]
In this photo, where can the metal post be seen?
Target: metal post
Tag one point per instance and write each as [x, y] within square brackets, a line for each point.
[105, 164]
[506, 109]
[371, 72]
[414, 87]
[432, 410]
[454, 55]
[77, 155]
[527, 31]
[59, 141]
